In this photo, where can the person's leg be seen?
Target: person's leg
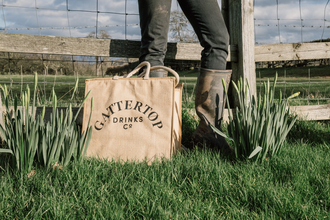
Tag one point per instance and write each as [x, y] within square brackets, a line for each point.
[154, 23]
[206, 18]
[209, 105]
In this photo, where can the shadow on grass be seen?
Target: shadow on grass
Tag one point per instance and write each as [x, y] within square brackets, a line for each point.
[313, 132]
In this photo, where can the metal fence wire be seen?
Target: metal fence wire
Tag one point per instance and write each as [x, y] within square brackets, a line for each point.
[275, 22]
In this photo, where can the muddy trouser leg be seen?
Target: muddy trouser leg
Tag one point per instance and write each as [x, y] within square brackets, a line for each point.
[154, 23]
[206, 18]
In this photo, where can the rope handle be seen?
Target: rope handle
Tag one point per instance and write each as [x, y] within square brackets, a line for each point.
[143, 64]
[175, 74]
[146, 73]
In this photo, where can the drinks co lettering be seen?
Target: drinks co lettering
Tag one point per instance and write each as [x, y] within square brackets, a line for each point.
[128, 105]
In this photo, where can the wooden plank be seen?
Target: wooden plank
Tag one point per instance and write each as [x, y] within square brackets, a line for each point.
[1, 118]
[22, 43]
[241, 31]
[192, 51]
[306, 112]
[294, 51]
[312, 112]
[271, 52]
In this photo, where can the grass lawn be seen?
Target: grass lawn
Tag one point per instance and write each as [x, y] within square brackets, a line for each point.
[63, 86]
[202, 184]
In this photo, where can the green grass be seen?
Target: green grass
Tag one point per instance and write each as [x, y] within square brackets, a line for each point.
[202, 184]
[63, 86]
[313, 91]
[295, 80]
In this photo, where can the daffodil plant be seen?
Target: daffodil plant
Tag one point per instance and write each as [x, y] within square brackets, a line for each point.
[32, 141]
[258, 127]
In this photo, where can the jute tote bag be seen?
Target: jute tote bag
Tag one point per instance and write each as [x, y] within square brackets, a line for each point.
[134, 118]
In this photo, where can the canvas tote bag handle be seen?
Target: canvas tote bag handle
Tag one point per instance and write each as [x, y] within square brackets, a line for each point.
[146, 76]
[169, 70]
[146, 72]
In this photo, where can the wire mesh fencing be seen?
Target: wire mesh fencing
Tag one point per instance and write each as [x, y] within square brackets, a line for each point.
[312, 82]
[275, 22]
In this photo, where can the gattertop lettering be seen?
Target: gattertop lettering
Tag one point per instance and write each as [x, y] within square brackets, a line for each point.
[128, 105]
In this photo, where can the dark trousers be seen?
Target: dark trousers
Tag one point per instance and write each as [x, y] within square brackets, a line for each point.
[206, 19]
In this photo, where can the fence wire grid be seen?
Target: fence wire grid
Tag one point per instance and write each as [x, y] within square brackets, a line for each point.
[275, 22]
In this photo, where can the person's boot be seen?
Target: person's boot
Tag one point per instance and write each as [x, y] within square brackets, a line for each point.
[154, 73]
[158, 73]
[209, 104]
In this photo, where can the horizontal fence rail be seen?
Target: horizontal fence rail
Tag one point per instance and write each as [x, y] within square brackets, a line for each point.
[22, 43]
[309, 113]
[294, 51]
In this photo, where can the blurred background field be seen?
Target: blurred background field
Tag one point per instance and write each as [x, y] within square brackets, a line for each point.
[313, 83]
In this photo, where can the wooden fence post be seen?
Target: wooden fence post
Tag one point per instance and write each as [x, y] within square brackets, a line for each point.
[1, 119]
[239, 17]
